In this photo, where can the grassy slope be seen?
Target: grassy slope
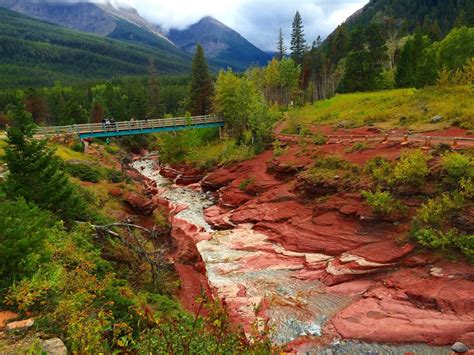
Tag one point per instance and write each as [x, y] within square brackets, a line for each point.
[34, 53]
[385, 109]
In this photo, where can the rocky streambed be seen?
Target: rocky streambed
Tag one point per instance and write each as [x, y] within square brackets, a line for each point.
[322, 279]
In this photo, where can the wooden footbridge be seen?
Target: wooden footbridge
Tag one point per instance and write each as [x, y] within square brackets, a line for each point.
[132, 127]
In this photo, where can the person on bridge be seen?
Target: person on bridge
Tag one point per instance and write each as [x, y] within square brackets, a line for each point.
[132, 121]
[107, 124]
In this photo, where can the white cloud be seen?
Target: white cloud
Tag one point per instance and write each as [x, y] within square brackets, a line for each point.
[257, 20]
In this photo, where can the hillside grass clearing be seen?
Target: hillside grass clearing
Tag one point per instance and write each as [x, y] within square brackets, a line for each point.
[408, 108]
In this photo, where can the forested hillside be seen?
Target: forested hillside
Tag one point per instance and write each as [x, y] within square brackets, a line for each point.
[438, 15]
[35, 53]
[387, 44]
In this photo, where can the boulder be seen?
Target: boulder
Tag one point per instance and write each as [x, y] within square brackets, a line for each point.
[140, 204]
[21, 326]
[436, 119]
[459, 348]
[54, 346]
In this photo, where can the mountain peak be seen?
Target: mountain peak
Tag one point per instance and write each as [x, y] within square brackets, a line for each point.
[221, 43]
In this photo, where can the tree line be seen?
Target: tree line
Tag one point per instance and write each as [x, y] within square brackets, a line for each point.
[381, 54]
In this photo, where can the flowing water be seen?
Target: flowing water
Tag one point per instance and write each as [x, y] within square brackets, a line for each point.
[297, 307]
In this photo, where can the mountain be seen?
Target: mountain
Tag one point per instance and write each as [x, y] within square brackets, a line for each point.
[223, 46]
[118, 22]
[408, 14]
[34, 53]
[401, 17]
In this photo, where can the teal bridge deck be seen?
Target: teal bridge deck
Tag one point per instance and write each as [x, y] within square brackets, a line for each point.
[127, 128]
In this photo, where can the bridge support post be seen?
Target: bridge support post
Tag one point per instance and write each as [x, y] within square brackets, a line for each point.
[221, 133]
[86, 146]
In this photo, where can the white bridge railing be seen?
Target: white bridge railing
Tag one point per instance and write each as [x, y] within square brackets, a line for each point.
[129, 125]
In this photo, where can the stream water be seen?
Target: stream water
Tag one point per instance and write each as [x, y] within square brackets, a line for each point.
[296, 307]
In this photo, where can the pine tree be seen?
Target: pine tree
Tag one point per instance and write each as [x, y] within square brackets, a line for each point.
[355, 75]
[97, 112]
[156, 108]
[376, 56]
[35, 172]
[298, 42]
[409, 71]
[281, 47]
[201, 85]
[364, 64]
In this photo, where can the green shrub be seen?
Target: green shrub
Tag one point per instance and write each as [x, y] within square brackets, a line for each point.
[439, 211]
[357, 147]
[246, 183]
[112, 149]
[381, 202]
[441, 148]
[114, 176]
[24, 231]
[467, 188]
[380, 170]
[319, 139]
[457, 167]
[411, 170]
[84, 172]
[78, 146]
[278, 150]
[436, 239]
[332, 162]
[332, 170]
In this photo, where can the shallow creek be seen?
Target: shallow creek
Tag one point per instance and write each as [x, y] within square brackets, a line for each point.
[248, 270]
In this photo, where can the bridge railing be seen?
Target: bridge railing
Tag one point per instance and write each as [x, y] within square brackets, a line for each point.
[129, 125]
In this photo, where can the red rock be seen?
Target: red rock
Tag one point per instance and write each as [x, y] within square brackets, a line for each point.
[115, 192]
[439, 293]
[19, 326]
[352, 288]
[217, 179]
[183, 234]
[394, 321]
[193, 283]
[139, 203]
[182, 174]
[5, 316]
[218, 217]
[266, 212]
[467, 339]
[233, 197]
[385, 252]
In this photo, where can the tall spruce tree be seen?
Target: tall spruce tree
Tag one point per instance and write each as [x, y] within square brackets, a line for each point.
[376, 55]
[281, 47]
[364, 64]
[201, 85]
[156, 107]
[408, 73]
[35, 172]
[298, 42]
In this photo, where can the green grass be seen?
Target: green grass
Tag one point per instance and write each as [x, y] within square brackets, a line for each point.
[219, 153]
[394, 108]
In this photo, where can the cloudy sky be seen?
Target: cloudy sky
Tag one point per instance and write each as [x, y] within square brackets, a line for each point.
[257, 20]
